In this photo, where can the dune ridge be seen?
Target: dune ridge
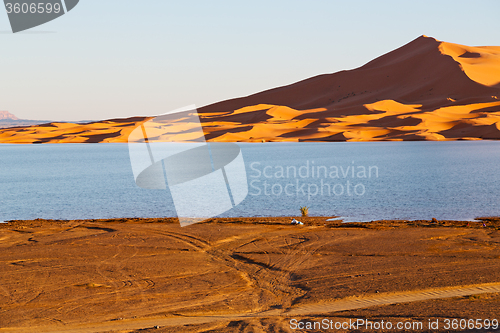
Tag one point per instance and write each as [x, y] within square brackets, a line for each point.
[424, 90]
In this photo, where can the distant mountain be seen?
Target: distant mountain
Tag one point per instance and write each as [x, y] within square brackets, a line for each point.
[7, 115]
[7, 120]
[424, 90]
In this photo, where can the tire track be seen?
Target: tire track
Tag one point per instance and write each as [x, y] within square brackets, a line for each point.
[393, 298]
[304, 310]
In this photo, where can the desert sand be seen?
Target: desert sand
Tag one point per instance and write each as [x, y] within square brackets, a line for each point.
[242, 274]
[115, 130]
[424, 90]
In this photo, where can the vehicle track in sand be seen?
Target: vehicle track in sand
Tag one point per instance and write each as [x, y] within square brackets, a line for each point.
[346, 304]
[269, 282]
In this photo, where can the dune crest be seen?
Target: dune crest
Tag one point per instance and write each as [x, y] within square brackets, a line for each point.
[481, 64]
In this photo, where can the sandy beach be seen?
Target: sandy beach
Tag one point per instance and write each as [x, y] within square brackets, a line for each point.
[243, 274]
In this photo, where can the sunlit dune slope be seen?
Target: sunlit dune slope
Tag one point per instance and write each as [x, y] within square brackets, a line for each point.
[114, 130]
[424, 90]
[382, 120]
[480, 64]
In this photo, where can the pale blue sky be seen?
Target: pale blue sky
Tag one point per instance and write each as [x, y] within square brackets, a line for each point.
[120, 58]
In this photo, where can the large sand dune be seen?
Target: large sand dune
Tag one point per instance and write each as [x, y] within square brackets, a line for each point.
[424, 90]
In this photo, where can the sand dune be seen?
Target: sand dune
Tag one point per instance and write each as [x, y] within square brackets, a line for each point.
[424, 90]
[115, 130]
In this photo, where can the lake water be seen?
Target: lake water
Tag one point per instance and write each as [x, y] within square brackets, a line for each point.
[359, 181]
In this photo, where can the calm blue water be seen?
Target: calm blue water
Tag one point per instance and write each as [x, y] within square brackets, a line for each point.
[391, 180]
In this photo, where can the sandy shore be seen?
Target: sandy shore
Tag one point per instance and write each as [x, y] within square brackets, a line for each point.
[242, 274]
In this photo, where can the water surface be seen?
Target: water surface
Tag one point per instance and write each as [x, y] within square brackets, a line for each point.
[408, 180]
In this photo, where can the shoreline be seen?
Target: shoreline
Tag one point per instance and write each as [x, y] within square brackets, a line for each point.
[328, 221]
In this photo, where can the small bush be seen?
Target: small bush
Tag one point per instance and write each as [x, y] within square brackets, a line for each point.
[304, 210]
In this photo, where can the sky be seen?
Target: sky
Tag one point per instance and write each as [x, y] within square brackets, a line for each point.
[121, 58]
